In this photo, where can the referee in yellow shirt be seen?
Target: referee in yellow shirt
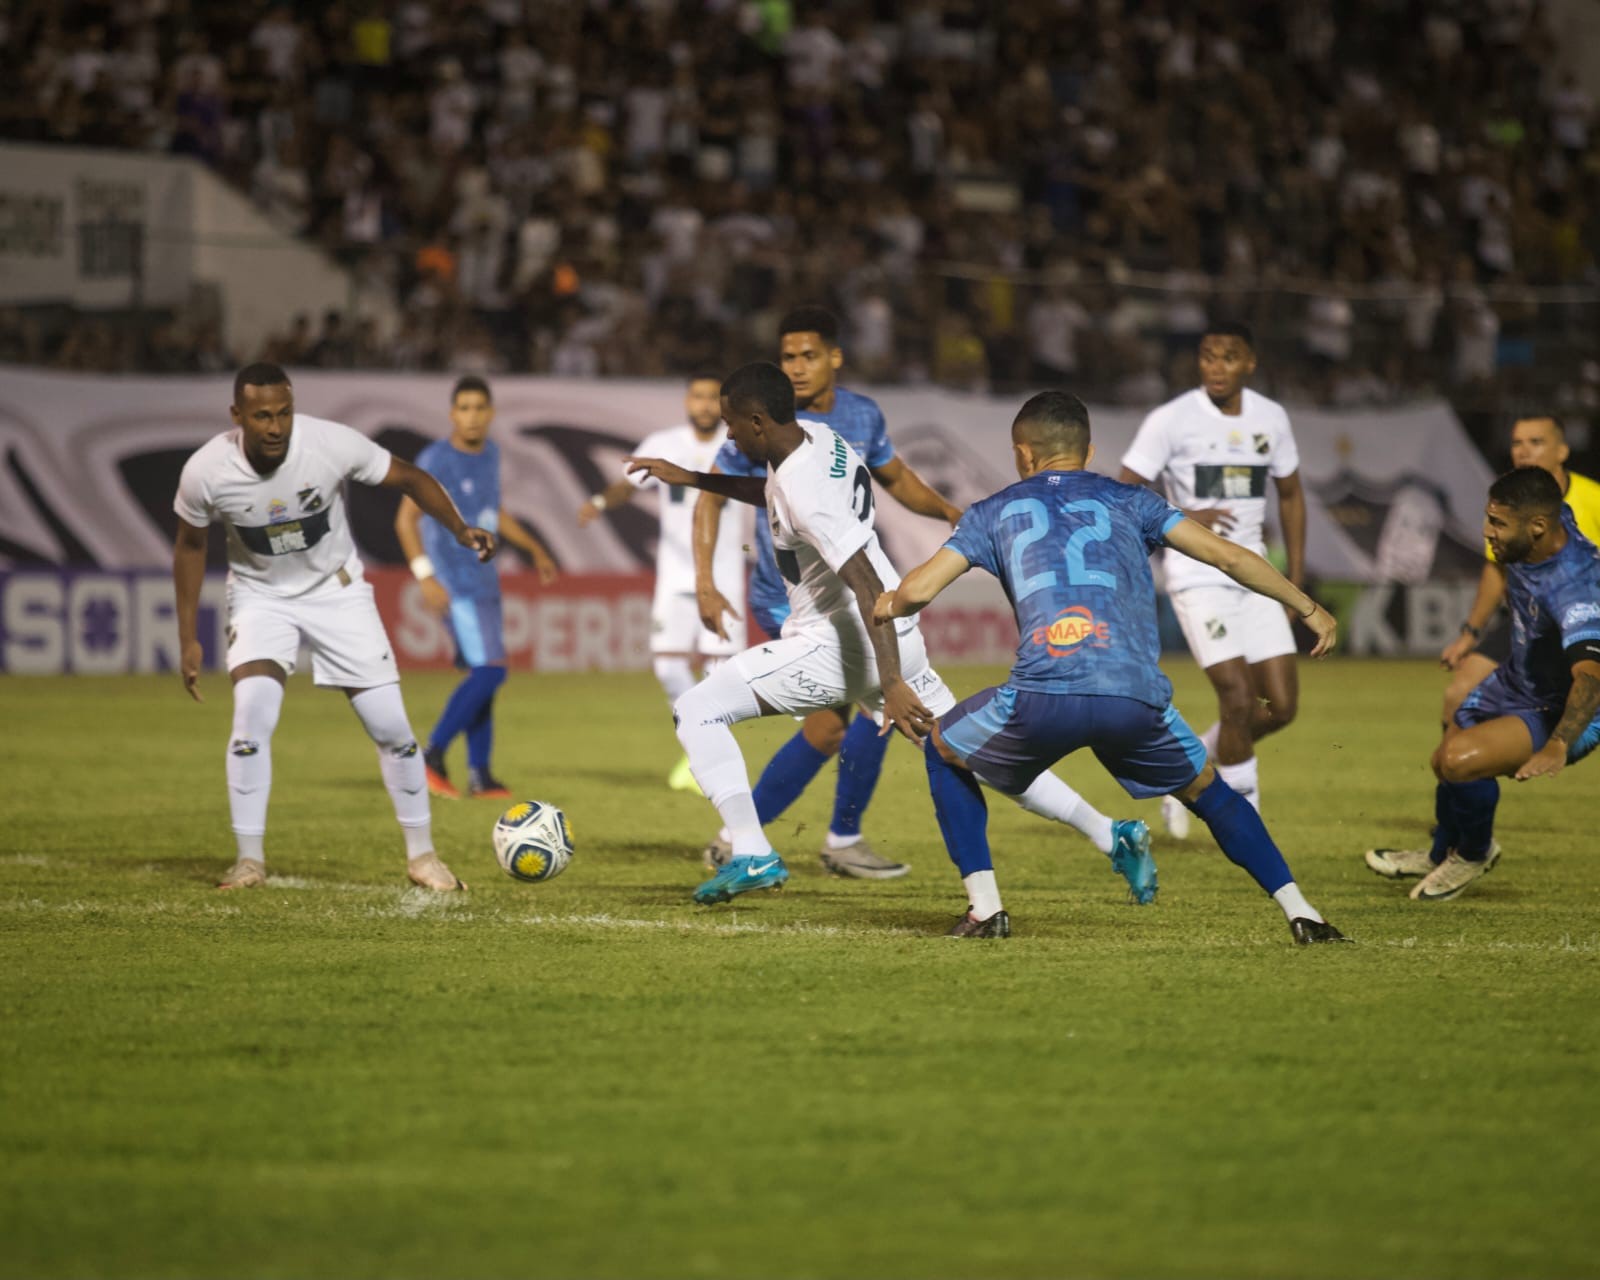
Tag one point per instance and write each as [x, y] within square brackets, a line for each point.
[1485, 639]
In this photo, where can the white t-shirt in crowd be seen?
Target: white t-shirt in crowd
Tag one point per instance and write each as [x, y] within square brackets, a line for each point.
[675, 548]
[820, 510]
[1209, 459]
[287, 531]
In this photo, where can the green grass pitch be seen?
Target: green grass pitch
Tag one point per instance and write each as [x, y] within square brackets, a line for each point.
[339, 1076]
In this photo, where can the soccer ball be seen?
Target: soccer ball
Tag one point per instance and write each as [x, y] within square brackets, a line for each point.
[532, 841]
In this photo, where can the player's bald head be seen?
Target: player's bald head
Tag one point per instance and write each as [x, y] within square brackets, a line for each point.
[761, 388]
[1054, 424]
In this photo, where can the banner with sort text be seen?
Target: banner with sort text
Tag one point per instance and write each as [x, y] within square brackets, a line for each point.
[93, 622]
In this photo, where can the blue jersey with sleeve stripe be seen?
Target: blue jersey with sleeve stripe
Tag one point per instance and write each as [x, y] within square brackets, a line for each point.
[473, 482]
[855, 417]
[1555, 604]
[1072, 549]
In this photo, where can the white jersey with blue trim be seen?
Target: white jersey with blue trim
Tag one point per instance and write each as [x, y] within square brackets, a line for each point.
[287, 531]
[820, 511]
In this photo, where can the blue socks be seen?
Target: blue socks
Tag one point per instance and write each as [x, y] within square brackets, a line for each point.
[1446, 835]
[1473, 805]
[787, 774]
[963, 813]
[468, 711]
[1242, 835]
[860, 763]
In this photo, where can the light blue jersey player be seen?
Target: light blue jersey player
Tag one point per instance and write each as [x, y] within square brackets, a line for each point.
[1071, 549]
[1537, 712]
[811, 356]
[463, 591]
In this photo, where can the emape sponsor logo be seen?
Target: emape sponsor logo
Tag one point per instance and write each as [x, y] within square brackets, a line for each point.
[1072, 629]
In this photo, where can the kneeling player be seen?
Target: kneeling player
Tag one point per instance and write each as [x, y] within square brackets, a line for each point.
[1072, 549]
[818, 498]
[275, 483]
[1535, 713]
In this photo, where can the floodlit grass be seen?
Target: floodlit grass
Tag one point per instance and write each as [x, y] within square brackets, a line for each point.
[339, 1075]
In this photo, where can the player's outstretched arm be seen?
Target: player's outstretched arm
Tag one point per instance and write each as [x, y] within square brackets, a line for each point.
[902, 709]
[429, 494]
[751, 489]
[188, 575]
[1249, 570]
[408, 529]
[919, 587]
[713, 605]
[1583, 702]
[521, 537]
[912, 492]
[1491, 591]
[616, 494]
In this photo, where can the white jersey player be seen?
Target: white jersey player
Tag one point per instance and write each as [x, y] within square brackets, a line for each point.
[275, 484]
[1216, 448]
[819, 505]
[679, 641]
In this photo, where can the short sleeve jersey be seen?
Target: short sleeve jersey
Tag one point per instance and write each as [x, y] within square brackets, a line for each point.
[820, 514]
[855, 417]
[1209, 459]
[675, 547]
[1555, 616]
[287, 531]
[473, 482]
[1072, 550]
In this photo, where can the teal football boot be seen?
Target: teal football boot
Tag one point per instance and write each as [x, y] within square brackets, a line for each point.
[1130, 859]
[741, 875]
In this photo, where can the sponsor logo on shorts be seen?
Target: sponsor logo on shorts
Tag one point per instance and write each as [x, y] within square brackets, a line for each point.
[244, 747]
[1071, 631]
[405, 752]
[1215, 628]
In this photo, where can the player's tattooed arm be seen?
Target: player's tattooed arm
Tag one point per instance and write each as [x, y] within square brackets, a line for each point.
[430, 495]
[188, 576]
[1583, 702]
[912, 492]
[751, 489]
[919, 587]
[902, 709]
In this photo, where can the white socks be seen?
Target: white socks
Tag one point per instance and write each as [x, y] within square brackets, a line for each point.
[1049, 797]
[1209, 737]
[1242, 778]
[1294, 904]
[383, 715]
[983, 895]
[703, 715]
[257, 700]
[674, 673]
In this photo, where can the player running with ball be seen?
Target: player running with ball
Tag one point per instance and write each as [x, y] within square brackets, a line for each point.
[275, 484]
[1072, 551]
[817, 492]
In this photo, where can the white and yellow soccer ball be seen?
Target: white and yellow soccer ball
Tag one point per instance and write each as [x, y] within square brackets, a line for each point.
[532, 841]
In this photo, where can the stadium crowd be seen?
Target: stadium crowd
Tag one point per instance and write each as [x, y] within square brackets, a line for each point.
[989, 193]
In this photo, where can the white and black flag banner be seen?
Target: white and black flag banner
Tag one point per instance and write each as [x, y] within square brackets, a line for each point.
[89, 465]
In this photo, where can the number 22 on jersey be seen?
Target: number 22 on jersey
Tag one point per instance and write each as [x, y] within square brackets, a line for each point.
[1096, 528]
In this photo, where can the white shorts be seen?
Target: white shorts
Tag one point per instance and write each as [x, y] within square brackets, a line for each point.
[1230, 622]
[338, 623]
[803, 673]
[675, 627]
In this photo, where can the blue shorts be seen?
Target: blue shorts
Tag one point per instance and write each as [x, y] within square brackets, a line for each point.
[1491, 700]
[770, 618]
[1008, 737]
[475, 627]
